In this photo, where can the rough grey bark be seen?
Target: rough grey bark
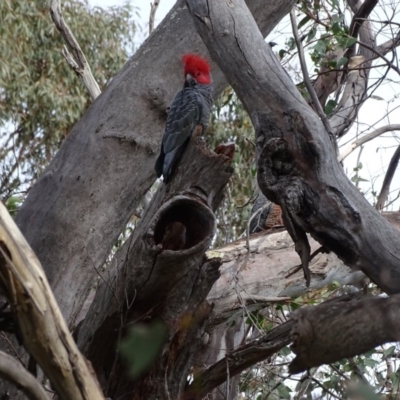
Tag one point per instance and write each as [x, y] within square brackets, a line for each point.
[161, 273]
[256, 280]
[106, 165]
[75, 212]
[321, 334]
[297, 165]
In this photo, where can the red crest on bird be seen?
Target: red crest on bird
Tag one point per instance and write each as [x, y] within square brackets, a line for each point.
[198, 67]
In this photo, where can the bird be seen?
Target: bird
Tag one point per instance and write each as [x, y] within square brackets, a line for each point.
[191, 108]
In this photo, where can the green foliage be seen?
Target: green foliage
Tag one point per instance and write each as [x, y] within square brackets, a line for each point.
[142, 345]
[41, 98]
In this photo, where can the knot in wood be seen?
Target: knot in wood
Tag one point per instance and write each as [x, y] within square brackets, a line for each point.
[276, 149]
[156, 97]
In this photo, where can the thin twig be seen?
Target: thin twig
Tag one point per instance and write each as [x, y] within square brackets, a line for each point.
[153, 10]
[310, 89]
[77, 59]
[323, 387]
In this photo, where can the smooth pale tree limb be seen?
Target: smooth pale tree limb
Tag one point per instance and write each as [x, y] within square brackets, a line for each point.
[77, 60]
[366, 138]
[297, 166]
[355, 90]
[361, 11]
[383, 195]
[353, 95]
[153, 11]
[328, 81]
[271, 258]
[12, 370]
[42, 327]
[389, 45]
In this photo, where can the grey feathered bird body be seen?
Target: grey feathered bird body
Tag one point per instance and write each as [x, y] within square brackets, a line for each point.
[191, 107]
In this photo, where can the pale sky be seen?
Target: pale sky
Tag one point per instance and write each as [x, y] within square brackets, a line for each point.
[376, 154]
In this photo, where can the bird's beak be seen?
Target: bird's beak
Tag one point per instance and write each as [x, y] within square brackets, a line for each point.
[190, 80]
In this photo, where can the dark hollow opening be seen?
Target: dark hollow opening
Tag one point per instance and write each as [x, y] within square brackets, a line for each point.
[183, 224]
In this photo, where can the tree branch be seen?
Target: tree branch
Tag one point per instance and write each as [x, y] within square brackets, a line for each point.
[138, 276]
[366, 138]
[42, 327]
[389, 45]
[297, 165]
[363, 11]
[383, 195]
[379, 55]
[322, 334]
[14, 371]
[356, 83]
[317, 105]
[153, 11]
[77, 60]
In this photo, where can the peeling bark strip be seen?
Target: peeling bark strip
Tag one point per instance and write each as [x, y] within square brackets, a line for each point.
[297, 168]
[161, 272]
[41, 325]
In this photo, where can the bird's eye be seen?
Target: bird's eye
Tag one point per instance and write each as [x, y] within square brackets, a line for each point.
[198, 74]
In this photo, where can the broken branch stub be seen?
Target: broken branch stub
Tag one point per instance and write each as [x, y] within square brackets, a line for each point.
[161, 272]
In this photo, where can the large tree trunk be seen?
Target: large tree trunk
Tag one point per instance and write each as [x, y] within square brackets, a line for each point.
[297, 165]
[77, 209]
[75, 212]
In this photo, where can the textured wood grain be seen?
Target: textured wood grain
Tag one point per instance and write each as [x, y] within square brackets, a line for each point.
[297, 164]
[75, 212]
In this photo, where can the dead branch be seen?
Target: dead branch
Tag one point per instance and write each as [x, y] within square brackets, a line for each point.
[77, 59]
[42, 327]
[322, 334]
[389, 45]
[14, 371]
[366, 138]
[383, 195]
[342, 328]
[153, 11]
[297, 165]
[164, 273]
